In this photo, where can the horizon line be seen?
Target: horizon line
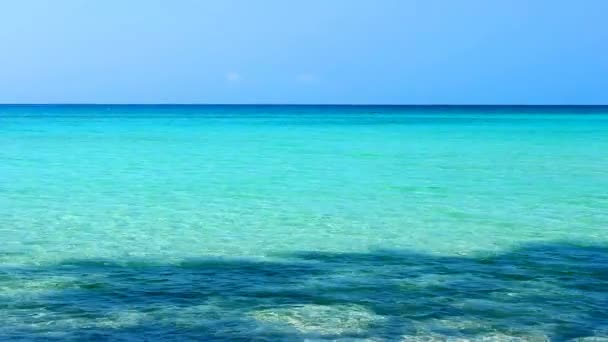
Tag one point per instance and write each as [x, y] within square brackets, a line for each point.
[300, 104]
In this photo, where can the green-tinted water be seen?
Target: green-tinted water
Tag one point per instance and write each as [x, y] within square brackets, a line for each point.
[384, 223]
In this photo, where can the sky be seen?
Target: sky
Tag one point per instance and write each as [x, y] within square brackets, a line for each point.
[304, 51]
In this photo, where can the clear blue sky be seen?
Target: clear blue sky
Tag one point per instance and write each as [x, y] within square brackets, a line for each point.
[304, 51]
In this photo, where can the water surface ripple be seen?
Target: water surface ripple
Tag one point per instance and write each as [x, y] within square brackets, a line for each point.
[380, 223]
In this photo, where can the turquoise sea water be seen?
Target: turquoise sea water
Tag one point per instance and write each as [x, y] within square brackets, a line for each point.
[303, 222]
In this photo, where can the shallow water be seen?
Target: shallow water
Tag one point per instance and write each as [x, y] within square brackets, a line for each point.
[273, 222]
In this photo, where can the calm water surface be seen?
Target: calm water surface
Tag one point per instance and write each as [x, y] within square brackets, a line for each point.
[293, 223]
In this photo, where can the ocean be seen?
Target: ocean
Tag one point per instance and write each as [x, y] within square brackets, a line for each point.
[380, 223]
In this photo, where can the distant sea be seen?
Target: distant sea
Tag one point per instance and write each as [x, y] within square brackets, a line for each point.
[380, 223]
